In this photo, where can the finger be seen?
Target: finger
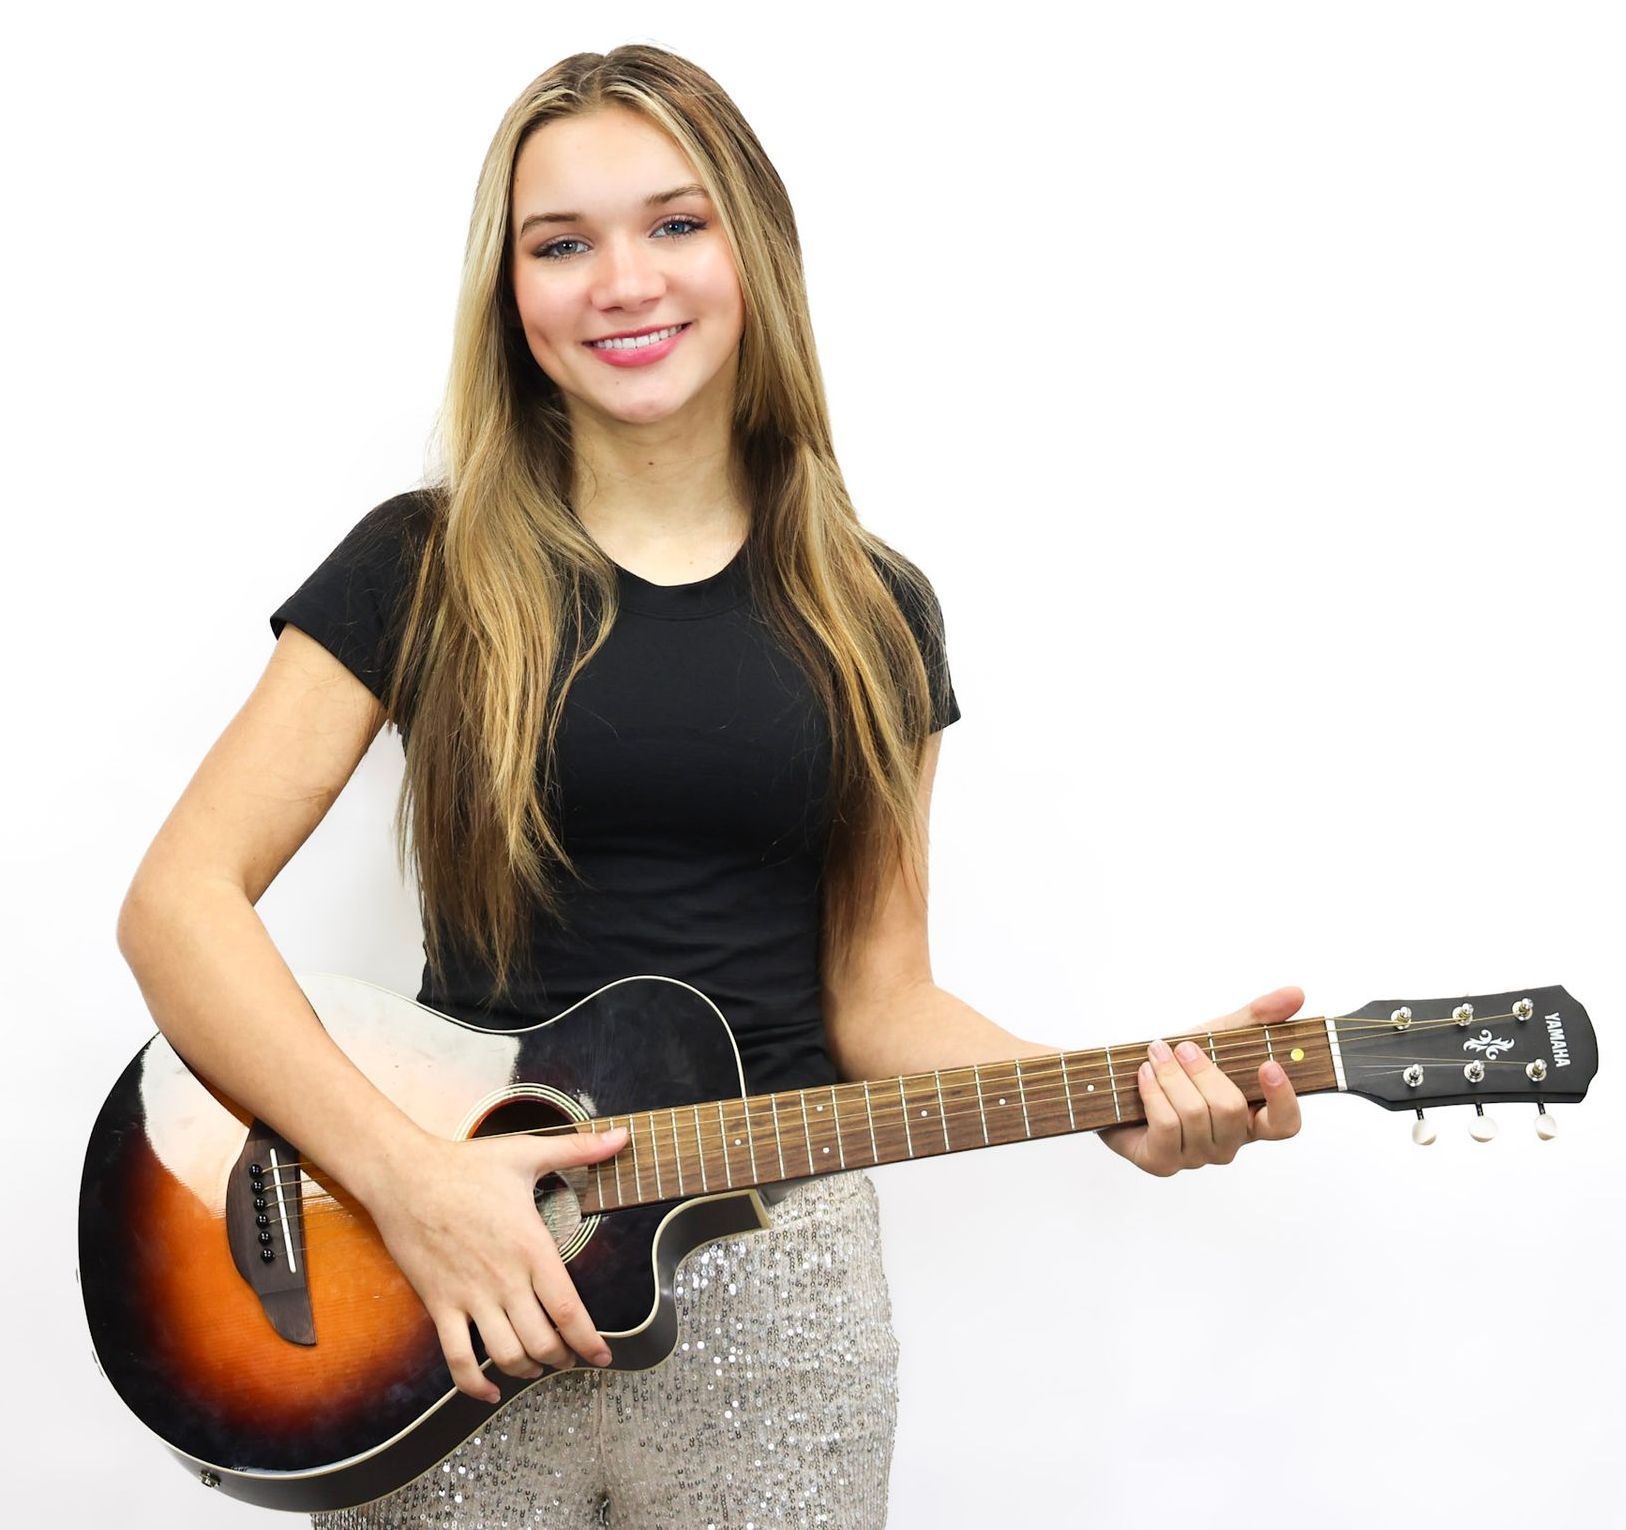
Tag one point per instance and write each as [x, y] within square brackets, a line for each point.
[502, 1343]
[559, 1297]
[1228, 1110]
[1196, 1125]
[453, 1331]
[1278, 1117]
[1268, 1009]
[1160, 1148]
[539, 1336]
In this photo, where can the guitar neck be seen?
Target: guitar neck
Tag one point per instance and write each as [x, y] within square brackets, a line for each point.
[721, 1145]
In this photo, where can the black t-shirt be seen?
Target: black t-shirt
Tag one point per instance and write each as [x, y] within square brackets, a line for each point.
[693, 759]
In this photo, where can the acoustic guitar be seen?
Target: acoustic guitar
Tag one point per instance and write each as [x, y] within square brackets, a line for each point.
[244, 1307]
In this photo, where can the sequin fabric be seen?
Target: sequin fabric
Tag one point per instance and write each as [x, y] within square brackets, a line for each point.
[777, 1407]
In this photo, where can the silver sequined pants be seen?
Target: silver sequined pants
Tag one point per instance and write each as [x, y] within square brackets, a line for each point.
[778, 1406]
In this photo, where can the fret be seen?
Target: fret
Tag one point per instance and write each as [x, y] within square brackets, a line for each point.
[852, 1123]
[1022, 1091]
[778, 1141]
[1112, 1078]
[835, 1116]
[1048, 1104]
[1270, 1050]
[699, 1151]
[942, 1113]
[733, 1128]
[655, 1154]
[807, 1131]
[751, 1143]
[620, 1195]
[637, 1169]
[869, 1111]
[1213, 1056]
[677, 1149]
[1067, 1089]
[1002, 1105]
[922, 1097]
[722, 1137]
[976, 1073]
[908, 1138]
[961, 1108]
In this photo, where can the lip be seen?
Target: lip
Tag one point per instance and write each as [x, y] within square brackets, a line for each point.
[644, 355]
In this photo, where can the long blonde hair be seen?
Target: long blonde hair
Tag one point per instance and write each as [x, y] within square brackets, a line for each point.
[512, 597]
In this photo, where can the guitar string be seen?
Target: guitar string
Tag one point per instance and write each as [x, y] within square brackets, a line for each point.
[1249, 1047]
[1037, 1097]
[1042, 1083]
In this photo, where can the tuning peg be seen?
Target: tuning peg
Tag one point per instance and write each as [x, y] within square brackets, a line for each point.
[1483, 1128]
[1546, 1127]
[1421, 1132]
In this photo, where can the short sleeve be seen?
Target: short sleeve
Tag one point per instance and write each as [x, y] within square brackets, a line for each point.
[351, 601]
[924, 613]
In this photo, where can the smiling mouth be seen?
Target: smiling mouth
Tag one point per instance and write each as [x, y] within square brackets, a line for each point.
[638, 342]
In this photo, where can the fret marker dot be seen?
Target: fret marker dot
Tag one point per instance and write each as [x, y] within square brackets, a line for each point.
[827, 1150]
[736, 1142]
[1297, 1054]
[1002, 1102]
[1089, 1088]
[923, 1112]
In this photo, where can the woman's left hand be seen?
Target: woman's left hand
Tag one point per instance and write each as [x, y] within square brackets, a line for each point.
[1194, 1113]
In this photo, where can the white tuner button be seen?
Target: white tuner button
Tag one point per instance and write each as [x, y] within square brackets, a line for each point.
[1546, 1127]
[1422, 1132]
[1483, 1128]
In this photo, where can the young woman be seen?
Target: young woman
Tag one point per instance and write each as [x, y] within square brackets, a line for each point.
[666, 707]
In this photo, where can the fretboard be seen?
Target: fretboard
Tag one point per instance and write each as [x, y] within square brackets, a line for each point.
[730, 1144]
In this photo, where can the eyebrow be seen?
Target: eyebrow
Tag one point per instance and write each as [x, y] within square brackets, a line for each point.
[656, 199]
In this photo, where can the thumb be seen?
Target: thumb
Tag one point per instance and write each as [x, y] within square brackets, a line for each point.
[581, 1147]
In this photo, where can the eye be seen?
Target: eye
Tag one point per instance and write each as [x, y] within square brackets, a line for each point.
[686, 226]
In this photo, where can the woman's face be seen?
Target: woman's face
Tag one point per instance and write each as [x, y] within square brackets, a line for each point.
[618, 260]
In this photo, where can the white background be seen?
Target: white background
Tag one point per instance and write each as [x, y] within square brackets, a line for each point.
[1247, 379]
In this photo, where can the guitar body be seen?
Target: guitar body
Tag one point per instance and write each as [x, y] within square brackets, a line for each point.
[270, 1341]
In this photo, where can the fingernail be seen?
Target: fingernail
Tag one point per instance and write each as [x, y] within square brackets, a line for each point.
[602, 1357]
[1274, 1073]
[1189, 1051]
[1160, 1051]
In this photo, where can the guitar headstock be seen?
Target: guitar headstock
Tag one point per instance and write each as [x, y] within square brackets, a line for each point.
[1532, 1045]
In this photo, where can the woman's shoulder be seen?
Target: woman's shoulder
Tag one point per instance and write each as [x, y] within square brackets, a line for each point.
[402, 517]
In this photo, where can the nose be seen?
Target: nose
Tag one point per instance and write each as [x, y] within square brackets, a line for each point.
[630, 274]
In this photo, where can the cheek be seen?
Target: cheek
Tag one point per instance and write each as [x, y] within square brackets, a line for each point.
[542, 312]
[722, 292]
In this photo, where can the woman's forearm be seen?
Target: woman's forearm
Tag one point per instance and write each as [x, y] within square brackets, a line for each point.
[918, 1029]
[224, 998]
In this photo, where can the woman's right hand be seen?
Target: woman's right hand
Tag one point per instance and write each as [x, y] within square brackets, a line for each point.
[460, 1220]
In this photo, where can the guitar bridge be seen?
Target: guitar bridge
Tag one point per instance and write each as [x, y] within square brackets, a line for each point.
[265, 1226]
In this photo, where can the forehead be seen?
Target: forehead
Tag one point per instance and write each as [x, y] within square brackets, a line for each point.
[604, 163]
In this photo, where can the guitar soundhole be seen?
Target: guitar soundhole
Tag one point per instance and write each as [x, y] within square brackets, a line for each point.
[558, 1196]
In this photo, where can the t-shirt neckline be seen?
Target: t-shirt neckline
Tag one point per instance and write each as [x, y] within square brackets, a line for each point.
[717, 592]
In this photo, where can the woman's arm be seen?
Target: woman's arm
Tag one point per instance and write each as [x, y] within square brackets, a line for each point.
[885, 1016]
[460, 1221]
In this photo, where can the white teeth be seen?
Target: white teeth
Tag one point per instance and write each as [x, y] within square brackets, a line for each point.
[638, 342]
